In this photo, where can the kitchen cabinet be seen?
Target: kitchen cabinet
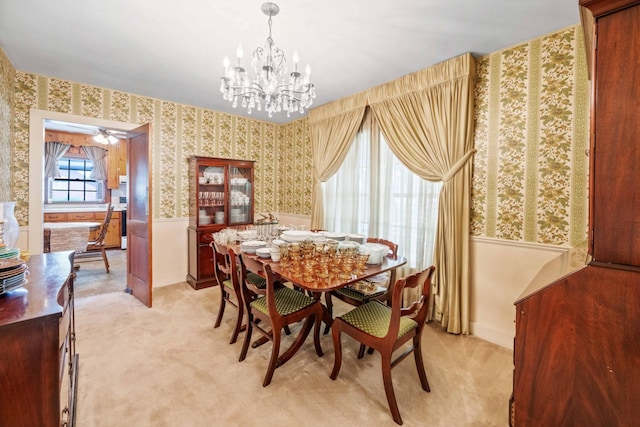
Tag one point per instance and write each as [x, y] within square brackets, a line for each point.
[112, 239]
[577, 346]
[116, 163]
[220, 195]
[39, 364]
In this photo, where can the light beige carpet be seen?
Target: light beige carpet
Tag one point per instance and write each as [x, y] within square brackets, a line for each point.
[168, 366]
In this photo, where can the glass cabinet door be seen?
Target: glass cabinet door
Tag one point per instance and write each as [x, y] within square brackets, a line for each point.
[211, 192]
[240, 195]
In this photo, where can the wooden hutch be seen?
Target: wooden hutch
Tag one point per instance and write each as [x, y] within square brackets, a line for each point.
[577, 344]
[220, 196]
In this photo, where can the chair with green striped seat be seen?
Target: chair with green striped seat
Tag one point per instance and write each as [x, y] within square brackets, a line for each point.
[279, 307]
[226, 272]
[386, 329]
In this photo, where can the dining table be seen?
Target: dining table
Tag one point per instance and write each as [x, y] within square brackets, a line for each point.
[63, 236]
[319, 286]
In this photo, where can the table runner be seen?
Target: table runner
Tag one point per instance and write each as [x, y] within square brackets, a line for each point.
[69, 236]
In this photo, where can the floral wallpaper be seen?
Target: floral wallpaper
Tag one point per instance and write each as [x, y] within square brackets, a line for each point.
[178, 132]
[530, 171]
[530, 178]
[7, 73]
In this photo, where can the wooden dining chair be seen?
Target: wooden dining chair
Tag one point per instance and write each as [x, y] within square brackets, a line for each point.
[353, 296]
[95, 248]
[227, 273]
[279, 307]
[386, 329]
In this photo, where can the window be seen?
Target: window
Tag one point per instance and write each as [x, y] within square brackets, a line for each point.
[374, 194]
[75, 183]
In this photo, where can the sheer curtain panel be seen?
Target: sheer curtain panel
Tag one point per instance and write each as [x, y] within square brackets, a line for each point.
[99, 158]
[53, 151]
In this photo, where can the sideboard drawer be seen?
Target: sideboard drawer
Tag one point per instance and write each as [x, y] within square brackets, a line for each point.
[206, 237]
[55, 217]
[80, 216]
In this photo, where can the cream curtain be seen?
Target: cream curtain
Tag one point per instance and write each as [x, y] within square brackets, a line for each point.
[99, 158]
[52, 152]
[332, 128]
[374, 194]
[427, 120]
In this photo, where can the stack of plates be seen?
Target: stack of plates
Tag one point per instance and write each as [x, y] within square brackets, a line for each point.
[336, 236]
[250, 246]
[12, 274]
[9, 253]
[295, 235]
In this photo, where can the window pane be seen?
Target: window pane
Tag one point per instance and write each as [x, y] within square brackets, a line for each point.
[59, 196]
[76, 196]
[74, 184]
[59, 185]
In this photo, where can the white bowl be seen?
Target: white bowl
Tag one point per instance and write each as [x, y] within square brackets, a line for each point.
[263, 252]
[278, 242]
[360, 238]
[348, 245]
[377, 252]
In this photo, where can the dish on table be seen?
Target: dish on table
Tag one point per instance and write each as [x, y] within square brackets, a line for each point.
[251, 246]
[336, 236]
[263, 252]
[295, 235]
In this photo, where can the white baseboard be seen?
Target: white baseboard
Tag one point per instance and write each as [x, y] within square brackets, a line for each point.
[493, 335]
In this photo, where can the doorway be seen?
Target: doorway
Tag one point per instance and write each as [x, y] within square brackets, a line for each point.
[36, 167]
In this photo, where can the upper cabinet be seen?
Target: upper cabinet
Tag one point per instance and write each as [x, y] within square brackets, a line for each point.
[221, 192]
[117, 163]
[615, 137]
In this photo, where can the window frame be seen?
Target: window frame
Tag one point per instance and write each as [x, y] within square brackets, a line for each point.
[66, 161]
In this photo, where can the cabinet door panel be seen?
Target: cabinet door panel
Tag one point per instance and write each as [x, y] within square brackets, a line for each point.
[616, 165]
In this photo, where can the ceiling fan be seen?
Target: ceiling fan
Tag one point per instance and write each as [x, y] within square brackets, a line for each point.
[107, 136]
[101, 135]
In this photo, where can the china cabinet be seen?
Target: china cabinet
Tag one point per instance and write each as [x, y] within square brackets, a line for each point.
[576, 349]
[220, 195]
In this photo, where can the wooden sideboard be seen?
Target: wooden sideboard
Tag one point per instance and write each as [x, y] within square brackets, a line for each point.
[38, 361]
[577, 343]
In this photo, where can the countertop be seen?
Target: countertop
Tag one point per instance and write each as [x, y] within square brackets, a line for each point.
[83, 208]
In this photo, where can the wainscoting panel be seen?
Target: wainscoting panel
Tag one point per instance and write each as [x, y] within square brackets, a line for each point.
[500, 272]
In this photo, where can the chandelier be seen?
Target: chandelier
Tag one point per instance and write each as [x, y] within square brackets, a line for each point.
[270, 87]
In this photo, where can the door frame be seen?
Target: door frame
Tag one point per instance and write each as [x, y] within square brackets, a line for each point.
[36, 165]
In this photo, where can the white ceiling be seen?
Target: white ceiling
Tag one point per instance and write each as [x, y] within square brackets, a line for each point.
[173, 50]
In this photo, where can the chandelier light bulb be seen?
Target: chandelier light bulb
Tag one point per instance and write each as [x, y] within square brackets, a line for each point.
[270, 82]
[239, 53]
[296, 58]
